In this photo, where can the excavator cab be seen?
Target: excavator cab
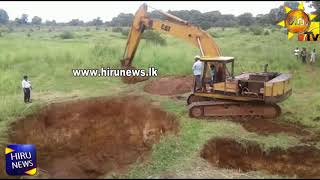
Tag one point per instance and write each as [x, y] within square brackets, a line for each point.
[224, 74]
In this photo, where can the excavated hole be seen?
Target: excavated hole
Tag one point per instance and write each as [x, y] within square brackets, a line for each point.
[171, 85]
[89, 138]
[268, 126]
[300, 161]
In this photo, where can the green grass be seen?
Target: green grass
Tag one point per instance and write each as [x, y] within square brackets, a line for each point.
[48, 61]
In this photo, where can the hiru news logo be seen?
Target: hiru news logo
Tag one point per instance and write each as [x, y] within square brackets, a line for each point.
[299, 22]
[21, 159]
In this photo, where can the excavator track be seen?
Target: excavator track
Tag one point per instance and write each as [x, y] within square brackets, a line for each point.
[194, 98]
[230, 109]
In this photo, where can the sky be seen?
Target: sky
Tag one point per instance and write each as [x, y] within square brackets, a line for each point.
[64, 11]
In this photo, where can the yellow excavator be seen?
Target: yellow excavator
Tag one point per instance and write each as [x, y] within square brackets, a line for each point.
[248, 95]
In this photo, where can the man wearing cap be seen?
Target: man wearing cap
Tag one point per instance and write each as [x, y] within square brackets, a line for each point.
[197, 70]
[26, 86]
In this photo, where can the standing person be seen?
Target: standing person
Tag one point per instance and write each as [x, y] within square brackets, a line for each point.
[26, 86]
[197, 70]
[213, 74]
[304, 55]
[313, 56]
[297, 52]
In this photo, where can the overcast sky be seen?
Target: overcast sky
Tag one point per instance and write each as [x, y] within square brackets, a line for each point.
[64, 11]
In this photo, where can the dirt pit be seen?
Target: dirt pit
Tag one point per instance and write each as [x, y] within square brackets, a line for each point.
[89, 138]
[299, 161]
[170, 85]
[267, 126]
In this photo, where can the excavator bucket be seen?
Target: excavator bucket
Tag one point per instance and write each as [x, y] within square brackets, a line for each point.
[125, 64]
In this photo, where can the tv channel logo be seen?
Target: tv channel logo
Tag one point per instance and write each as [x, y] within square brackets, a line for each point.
[299, 22]
[21, 159]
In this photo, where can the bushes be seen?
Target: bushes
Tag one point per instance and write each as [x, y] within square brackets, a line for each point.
[2, 31]
[243, 29]
[266, 32]
[5, 30]
[213, 34]
[125, 32]
[256, 30]
[154, 37]
[117, 29]
[66, 35]
[10, 29]
[148, 35]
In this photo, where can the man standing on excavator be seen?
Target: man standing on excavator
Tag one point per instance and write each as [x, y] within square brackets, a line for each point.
[197, 70]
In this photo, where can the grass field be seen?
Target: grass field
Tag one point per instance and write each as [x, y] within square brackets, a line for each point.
[48, 60]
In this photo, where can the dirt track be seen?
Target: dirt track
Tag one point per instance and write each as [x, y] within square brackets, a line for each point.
[300, 161]
[89, 138]
[171, 85]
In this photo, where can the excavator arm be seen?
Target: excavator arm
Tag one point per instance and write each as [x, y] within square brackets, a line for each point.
[173, 26]
[134, 36]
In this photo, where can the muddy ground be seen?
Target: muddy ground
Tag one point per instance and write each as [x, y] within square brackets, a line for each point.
[89, 138]
[298, 161]
[170, 85]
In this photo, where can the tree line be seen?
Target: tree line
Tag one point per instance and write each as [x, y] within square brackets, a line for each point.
[204, 20]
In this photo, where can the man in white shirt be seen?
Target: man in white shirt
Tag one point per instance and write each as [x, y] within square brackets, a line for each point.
[297, 52]
[197, 70]
[26, 86]
[313, 56]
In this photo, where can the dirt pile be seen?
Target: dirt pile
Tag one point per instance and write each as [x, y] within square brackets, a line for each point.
[133, 79]
[170, 85]
[301, 161]
[89, 138]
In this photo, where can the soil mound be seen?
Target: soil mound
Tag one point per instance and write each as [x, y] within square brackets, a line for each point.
[171, 85]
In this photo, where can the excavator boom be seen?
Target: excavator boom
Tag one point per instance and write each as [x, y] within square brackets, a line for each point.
[174, 26]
